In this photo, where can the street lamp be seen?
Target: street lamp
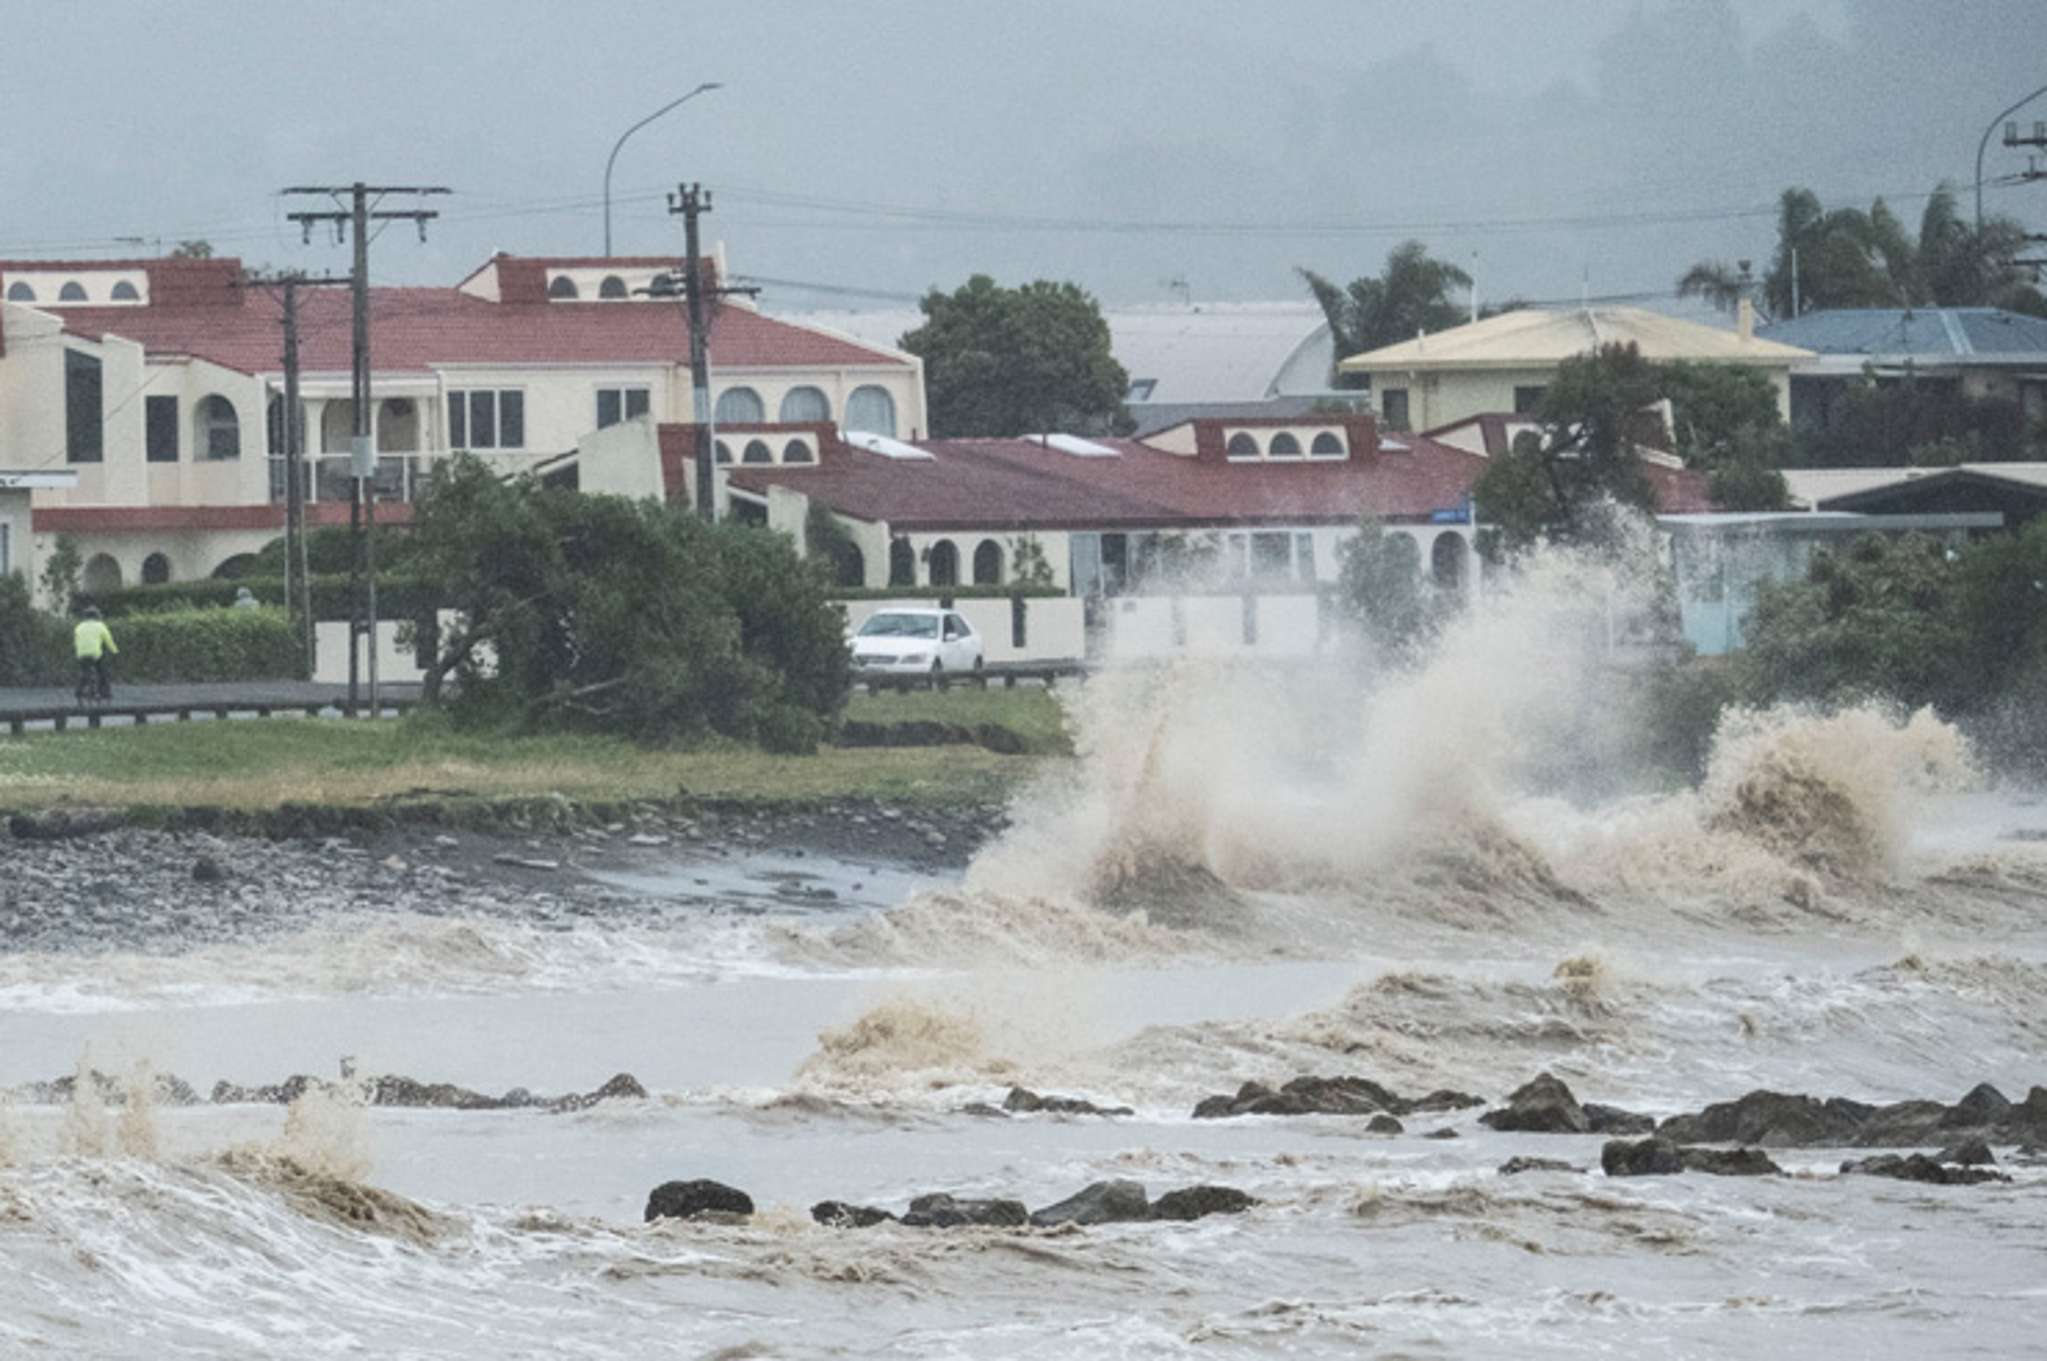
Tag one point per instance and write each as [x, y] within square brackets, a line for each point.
[612, 159]
[1986, 142]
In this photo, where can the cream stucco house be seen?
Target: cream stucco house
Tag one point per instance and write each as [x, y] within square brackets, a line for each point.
[1503, 364]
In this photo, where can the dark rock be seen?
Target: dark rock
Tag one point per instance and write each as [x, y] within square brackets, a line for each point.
[1384, 1124]
[1443, 1099]
[1919, 1167]
[1544, 1105]
[688, 1199]
[1105, 1202]
[1729, 1162]
[1984, 1105]
[1614, 1120]
[1969, 1153]
[1642, 1158]
[1215, 1107]
[61, 824]
[837, 1214]
[1311, 1096]
[1903, 1124]
[984, 1111]
[207, 870]
[1197, 1202]
[622, 1087]
[1444, 1133]
[1022, 1100]
[1771, 1119]
[945, 1212]
[1516, 1165]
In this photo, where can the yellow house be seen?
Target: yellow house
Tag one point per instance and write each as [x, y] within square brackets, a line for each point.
[1504, 363]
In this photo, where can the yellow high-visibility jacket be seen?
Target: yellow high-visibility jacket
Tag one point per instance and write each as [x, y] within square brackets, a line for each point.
[90, 637]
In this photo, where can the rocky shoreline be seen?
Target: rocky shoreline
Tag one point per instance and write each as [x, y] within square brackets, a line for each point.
[93, 879]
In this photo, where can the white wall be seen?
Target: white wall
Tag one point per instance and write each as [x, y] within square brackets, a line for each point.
[1137, 627]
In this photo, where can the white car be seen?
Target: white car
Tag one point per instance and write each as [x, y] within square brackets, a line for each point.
[915, 642]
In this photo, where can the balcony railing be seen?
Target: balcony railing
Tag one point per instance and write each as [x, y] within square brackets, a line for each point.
[327, 477]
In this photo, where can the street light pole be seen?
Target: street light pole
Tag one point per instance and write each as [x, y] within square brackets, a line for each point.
[1986, 142]
[613, 158]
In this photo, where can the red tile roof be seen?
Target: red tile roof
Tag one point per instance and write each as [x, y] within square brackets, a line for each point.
[423, 328]
[1003, 484]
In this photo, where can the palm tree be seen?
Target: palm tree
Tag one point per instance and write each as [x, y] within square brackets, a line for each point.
[1411, 294]
[1717, 282]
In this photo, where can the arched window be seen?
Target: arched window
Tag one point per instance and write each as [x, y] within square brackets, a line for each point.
[805, 404]
[397, 426]
[72, 291]
[757, 451]
[101, 574]
[988, 563]
[1402, 548]
[1284, 445]
[1447, 558]
[236, 567]
[337, 426]
[612, 287]
[796, 451]
[562, 287]
[216, 430]
[871, 411]
[1241, 445]
[125, 292]
[739, 406]
[849, 565]
[20, 292]
[721, 451]
[1326, 445]
[944, 564]
[902, 563]
[156, 570]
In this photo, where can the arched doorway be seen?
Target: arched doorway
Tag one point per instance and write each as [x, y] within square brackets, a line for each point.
[902, 563]
[156, 570]
[1448, 558]
[101, 574]
[849, 565]
[944, 564]
[988, 563]
[236, 567]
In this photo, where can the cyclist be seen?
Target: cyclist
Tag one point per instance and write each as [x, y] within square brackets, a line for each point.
[93, 644]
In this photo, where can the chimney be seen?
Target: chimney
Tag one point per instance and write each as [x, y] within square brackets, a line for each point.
[1745, 319]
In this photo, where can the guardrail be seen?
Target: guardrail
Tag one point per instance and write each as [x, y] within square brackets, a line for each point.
[63, 717]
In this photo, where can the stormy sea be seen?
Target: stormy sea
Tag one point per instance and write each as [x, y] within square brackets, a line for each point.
[334, 1104]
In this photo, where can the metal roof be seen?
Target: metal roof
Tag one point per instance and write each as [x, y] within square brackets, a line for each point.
[1931, 335]
[1534, 338]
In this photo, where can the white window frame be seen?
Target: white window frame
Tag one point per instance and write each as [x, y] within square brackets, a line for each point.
[623, 390]
[497, 419]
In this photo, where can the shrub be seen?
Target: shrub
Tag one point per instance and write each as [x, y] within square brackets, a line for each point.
[32, 644]
[207, 645]
[398, 596]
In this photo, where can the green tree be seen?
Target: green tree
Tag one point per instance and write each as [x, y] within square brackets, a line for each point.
[1714, 405]
[556, 624]
[198, 248]
[1746, 472]
[1380, 591]
[1593, 417]
[1845, 257]
[1412, 293]
[60, 572]
[1015, 361]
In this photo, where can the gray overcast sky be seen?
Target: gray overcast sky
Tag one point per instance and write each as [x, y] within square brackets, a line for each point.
[1223, 141]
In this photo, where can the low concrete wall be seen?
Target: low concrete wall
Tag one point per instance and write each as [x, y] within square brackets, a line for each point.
[1054, 626]
[330, 646]
[1210, 626]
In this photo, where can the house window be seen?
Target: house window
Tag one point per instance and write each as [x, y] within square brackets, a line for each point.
[620, 404]
[1241, 445]
[805, 404]
[612, 287]
[988, 563]
[944, 564]
[562, 288]
[486, 418]
[1394, 408]
[796, 451]
[20, 292]
[757, 451]
[84, 417]
[871, 411]
[72, 291]
[217, 432]
[1326, 445]
[1272, 557]
[1141, 389]
[160, 429]
[1284, 445]
[1304, 558]
[739, 406]
[1526, 399]
[902, 563]
[156, 570]
[722, 451]
[125, 292]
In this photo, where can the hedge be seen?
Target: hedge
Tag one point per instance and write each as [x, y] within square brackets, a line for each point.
[941, 592]
[398, 597]
[169, 645]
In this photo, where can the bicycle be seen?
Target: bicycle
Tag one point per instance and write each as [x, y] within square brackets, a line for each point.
[93, 688]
